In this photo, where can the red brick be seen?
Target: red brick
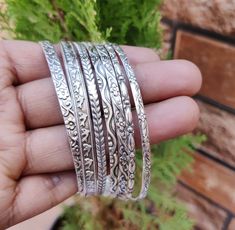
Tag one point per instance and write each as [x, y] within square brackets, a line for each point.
[219, 127]
[214, 15]
[213, 181]
[205, 214]
[216, 61]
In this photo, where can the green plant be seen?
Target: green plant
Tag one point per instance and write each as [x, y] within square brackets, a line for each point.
[134, 22]
[160, 210]
[120, 21]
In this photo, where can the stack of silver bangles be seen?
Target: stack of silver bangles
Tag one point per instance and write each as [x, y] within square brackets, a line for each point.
[91, 83]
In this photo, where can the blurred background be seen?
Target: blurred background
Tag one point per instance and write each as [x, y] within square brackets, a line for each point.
[203, 32]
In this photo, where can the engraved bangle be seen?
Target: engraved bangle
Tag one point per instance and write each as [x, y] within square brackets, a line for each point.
[96, 116]
[96, 86]
[128, 115]
[143, 126]
[112, 182]
[66, 106]
[120, 120]
[82, 113]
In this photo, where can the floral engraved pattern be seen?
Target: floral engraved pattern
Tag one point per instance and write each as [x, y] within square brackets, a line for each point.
[96, 115]
[144, 133]
[91, 87]
[65, 102]
[79, 95]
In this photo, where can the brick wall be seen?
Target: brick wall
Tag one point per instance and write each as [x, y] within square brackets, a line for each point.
[203, 32]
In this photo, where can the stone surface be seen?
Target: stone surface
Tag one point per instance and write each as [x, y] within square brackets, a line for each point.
[206, 215]
[219, 127]
[214, 15]
[216, 61]
[212, 180]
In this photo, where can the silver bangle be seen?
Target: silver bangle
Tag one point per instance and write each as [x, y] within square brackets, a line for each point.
[66, 106]
[82, 113]
[120, 121]
[112, 182]
[96, 116]
[128, 116]
[97, 113]
[143, 126]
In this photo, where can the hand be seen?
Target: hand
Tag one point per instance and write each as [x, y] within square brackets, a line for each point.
[36, 168]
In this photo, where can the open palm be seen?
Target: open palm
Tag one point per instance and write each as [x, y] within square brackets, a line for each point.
[36, 168]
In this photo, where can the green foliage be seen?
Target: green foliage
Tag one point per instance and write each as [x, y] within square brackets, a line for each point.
[120, 21]
[134, 22]
[160, 210]
[53, 20]
[173, 157]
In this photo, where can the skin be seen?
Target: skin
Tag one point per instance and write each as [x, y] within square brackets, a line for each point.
[36, 168]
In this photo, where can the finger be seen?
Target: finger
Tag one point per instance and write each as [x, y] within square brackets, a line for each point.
[36, 194]
[47, 149]
[157, 80]
[147, 55]
[27, 61]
